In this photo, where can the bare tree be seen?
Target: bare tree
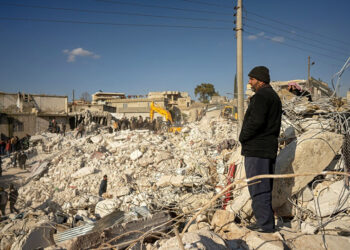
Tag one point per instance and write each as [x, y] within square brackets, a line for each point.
[85, 96]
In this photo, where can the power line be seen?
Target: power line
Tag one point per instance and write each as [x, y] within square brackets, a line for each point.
[113, 24]
[112, 12]
[301, 29]
[208, 4]
[299, 35]
[288, 45]
[293, 39]
[162, 7]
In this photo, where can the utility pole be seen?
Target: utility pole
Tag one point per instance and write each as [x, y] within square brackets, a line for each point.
[240, 88]
[308, 72]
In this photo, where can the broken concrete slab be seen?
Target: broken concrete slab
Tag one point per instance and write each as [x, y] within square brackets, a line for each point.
[170, 180]
[105, 207]
[135, 155]
[311, 152]
[224, 225]
[241, 204]
[331, 199]
[315, 242]
[39, 171]
[195, 227]
[83, 172]
[202, 239]
[39, 237]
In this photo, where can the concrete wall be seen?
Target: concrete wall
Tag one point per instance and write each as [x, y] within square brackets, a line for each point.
[91, 107]
[218, 99]
[139, 105]
[8, 102]
[51, 104]
[22, 124]
[45, 103]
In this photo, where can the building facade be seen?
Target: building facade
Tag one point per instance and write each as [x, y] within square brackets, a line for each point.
[22, 113]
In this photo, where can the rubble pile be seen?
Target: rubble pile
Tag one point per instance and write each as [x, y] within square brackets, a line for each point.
[158, 181]
[156, 171]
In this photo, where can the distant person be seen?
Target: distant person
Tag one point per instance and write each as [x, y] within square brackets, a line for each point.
[22, 158]
[8, 147]
[0, 166]
[3, 201]
[14, 159]
[296, 89]
[54, 126]
[103, 186]
[13, 142]
[64, 126]
[26, 141]
[13, 198]
[2, 147]
[80, 130]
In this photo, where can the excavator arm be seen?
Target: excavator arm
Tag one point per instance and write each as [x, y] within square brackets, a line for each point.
[165, 113]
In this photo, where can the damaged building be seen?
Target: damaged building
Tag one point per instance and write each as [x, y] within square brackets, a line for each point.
[24, 113]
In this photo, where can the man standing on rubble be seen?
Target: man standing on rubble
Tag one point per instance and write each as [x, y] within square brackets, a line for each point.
[103, 186]
[13, 198]
[0, 165]
[3, 200]
[80, 130]
[259, 134]
[22, 158]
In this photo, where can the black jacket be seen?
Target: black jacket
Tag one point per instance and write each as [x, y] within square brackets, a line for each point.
[261, 124]
[103, 187]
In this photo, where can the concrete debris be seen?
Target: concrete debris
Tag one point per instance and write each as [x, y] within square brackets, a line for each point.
[299, 157]
[202, 239]
[330, 200]
[157, 181]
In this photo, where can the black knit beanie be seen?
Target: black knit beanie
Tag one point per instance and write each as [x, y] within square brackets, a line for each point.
[260, 73]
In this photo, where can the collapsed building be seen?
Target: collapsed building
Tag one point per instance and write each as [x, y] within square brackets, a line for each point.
[173, 191]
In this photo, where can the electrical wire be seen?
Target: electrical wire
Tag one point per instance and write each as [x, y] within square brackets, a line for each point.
[298, 35]
[293, 39]
[208, 4]
[113, 12]
[112, 24]
[162, 7]
[300, 29]
[293, 46]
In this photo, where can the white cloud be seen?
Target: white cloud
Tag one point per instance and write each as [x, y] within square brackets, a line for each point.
[252, 37]
[79, 52]
[293, 32]
[279, 39]
[261, 34]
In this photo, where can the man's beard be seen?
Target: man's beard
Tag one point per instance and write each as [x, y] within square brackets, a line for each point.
[252, 88]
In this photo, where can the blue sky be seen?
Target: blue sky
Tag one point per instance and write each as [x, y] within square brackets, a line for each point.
[42, 54]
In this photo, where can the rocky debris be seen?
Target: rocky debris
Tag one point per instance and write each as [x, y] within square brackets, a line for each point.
[157, 181]
[202, 239]
[331, 199]
[299, 157]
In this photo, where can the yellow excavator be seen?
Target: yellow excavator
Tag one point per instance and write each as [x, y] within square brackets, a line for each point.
[229, 112]
[166, 114]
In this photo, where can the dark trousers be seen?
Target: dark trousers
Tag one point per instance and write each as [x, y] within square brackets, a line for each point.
[261, 193]
[3, 208]
[12, 207]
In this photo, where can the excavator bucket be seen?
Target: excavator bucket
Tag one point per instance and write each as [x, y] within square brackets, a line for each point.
[175, 129]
